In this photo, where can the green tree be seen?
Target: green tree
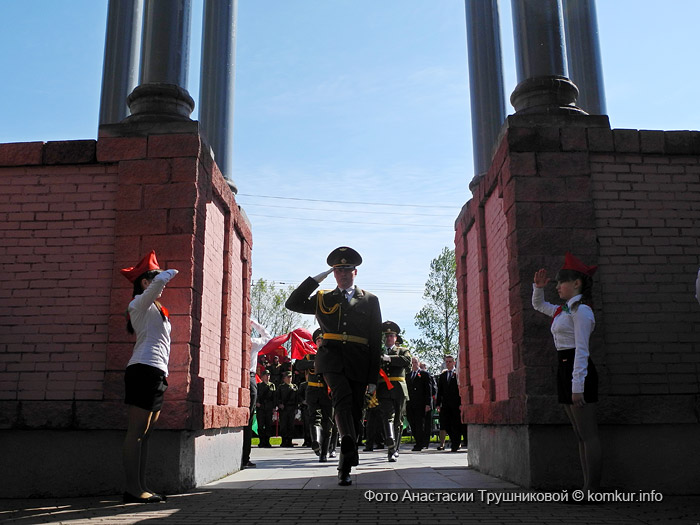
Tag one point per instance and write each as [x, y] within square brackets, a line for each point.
[438, 320]
[267, 306]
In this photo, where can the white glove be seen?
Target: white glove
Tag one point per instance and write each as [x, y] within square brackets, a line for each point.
[371, 388]
[321, 276]
[386, 358]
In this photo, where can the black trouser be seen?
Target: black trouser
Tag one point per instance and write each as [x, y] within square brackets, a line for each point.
[320, 408]
[451, 422]
[393, 407]
[416, 418]
[348, 398]
[266, 427]
[286, 416]
[248, 429]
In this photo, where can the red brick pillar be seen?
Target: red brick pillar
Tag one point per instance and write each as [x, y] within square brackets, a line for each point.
[533, 205]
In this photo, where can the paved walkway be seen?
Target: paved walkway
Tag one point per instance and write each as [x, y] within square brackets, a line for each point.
[291, 486]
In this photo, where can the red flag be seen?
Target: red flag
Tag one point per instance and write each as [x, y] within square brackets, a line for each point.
[274, 346]
[300, 347]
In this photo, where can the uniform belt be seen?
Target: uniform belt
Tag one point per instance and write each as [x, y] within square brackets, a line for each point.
[346, 337]
[311, 383]
[397, 379]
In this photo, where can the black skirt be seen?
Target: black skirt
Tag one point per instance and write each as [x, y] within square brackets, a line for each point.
[144, 387]
[565, 373]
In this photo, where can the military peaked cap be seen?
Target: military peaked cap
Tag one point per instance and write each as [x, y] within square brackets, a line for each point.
[344, 257]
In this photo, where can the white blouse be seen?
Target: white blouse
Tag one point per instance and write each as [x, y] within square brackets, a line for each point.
[152, 332]
[570, 330]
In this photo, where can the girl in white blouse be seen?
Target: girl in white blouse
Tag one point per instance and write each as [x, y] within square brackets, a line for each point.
[145, 377]
[577, 379]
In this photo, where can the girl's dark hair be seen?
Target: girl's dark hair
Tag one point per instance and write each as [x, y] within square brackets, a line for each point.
[138, 290]
[586, 285]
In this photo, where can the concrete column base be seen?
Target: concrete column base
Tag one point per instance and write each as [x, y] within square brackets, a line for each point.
[635, 457]
[85, 463]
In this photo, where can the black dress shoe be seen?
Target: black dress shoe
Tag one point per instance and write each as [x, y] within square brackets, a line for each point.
[417, 449]
[323, 459]
[344, 478]
[130, 498]
[249, 464]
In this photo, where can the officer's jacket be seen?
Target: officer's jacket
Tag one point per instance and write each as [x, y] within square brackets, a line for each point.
[398, 366]
[361, 317]
[267, 394]
[287, 395]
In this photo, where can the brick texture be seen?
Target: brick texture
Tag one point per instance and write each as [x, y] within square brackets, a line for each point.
[71, 214]
[626, 200]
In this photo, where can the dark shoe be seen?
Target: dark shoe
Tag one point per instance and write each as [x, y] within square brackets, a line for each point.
[416, 448]
[323, 459]
[249, 464]
[455, 449]
[368, 448]
[316, 438]
[379, 446]
[344, 478]
[129, 498]
[332, 454]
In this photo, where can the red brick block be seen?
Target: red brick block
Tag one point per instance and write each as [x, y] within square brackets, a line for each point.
[21, 154]
[574, 139]
[174, 145]
[550, 189]
[679, 142]
[533, 139]
[129, 197]
[563, 164]
[185, 169]
[144, 171]
[114, 149]
[520, 164]
[222, 393]
[626, 140]
[70, 152]
[174, 195]
[600, 139]
[651, 141]
[142, 222]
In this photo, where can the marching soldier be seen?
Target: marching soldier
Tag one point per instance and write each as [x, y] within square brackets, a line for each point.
[319, 403]
[391, 388]
[265, 406]
[287, 406]
[348, 358]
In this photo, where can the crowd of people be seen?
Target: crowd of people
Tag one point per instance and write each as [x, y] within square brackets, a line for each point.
[294, 401]
[360, 384]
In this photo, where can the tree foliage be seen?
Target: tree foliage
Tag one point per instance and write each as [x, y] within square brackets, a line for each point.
[267, 307]
[438, 320]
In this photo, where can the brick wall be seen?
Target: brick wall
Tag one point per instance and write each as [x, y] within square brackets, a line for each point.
[646, 191]
[56, 262]
[75, 212]
[626, 200]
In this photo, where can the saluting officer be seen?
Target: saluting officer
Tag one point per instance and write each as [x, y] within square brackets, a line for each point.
[319, 402]
[392, 401]
[348, 358]
[287, 406]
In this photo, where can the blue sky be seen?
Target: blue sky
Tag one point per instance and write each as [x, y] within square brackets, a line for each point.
[351, 116]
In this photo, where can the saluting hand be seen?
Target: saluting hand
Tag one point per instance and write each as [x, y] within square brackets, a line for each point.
[321, 276]
[541, 278]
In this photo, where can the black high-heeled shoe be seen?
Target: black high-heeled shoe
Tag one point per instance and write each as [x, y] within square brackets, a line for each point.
[130, 498]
